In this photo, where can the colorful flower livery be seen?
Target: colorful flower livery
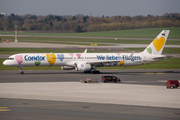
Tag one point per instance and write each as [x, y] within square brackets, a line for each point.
[88, 62]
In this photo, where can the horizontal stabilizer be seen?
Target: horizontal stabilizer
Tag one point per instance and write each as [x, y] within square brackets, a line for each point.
[161, 56]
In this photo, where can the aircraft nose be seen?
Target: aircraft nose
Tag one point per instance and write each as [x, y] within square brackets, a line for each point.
[5, 62]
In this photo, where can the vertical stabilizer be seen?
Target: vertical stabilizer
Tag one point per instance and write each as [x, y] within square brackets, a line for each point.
[157, 45]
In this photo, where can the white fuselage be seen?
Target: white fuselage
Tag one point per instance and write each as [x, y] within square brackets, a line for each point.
[68, 59]
[90, 61]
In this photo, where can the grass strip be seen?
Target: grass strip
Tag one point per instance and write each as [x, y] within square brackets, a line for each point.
[81, 41]
[134, 33]
[11, 51]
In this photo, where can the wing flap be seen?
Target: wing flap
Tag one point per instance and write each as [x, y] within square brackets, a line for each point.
[101, 62]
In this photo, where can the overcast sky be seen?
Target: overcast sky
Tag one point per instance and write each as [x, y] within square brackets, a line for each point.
[90, 7]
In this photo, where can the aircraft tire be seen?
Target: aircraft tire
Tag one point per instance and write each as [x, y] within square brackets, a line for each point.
[22, 73]
[87, 71]
[95, 72]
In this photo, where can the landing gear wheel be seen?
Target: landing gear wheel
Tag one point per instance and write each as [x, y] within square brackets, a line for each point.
[21, 67]
[95, 71]
[87, 71]
[22, 72]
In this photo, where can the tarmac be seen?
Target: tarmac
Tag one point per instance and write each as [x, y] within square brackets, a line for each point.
[137, 87]
[26, 109]
[123, 94]
[58, 94]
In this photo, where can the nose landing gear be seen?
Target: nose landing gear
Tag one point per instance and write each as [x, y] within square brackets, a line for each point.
[21, 71]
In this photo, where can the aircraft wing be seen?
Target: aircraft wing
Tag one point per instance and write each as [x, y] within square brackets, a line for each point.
[101, 63]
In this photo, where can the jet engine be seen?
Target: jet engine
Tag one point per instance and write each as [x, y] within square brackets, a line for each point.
[129, 63]
[83, 67]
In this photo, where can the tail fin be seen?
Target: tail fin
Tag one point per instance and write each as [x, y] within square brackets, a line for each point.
[157, 45]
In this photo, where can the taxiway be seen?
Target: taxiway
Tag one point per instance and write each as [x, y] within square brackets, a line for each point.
[58, 94]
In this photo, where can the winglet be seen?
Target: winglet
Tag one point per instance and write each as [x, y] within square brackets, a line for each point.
[130, 56]
[85, 51]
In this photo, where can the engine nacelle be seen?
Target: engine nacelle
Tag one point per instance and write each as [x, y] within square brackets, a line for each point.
[83, 67]
[67, 67]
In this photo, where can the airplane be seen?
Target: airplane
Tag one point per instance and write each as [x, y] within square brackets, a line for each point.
[88, 62]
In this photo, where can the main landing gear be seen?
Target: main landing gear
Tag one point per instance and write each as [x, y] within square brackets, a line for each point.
[95, 71]
[21, 71]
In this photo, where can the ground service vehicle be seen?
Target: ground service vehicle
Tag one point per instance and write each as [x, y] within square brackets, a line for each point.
[110, 79]
[172, 83]
[89, 80]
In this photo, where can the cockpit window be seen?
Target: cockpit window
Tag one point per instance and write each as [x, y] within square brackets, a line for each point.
[10, 59]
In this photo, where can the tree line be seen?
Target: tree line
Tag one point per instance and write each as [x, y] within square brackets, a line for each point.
[81, 23]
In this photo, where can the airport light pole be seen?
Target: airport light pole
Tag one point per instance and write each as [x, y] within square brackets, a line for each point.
[16, 33]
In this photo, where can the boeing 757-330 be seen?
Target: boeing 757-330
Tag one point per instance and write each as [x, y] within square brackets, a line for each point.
[88, 62]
